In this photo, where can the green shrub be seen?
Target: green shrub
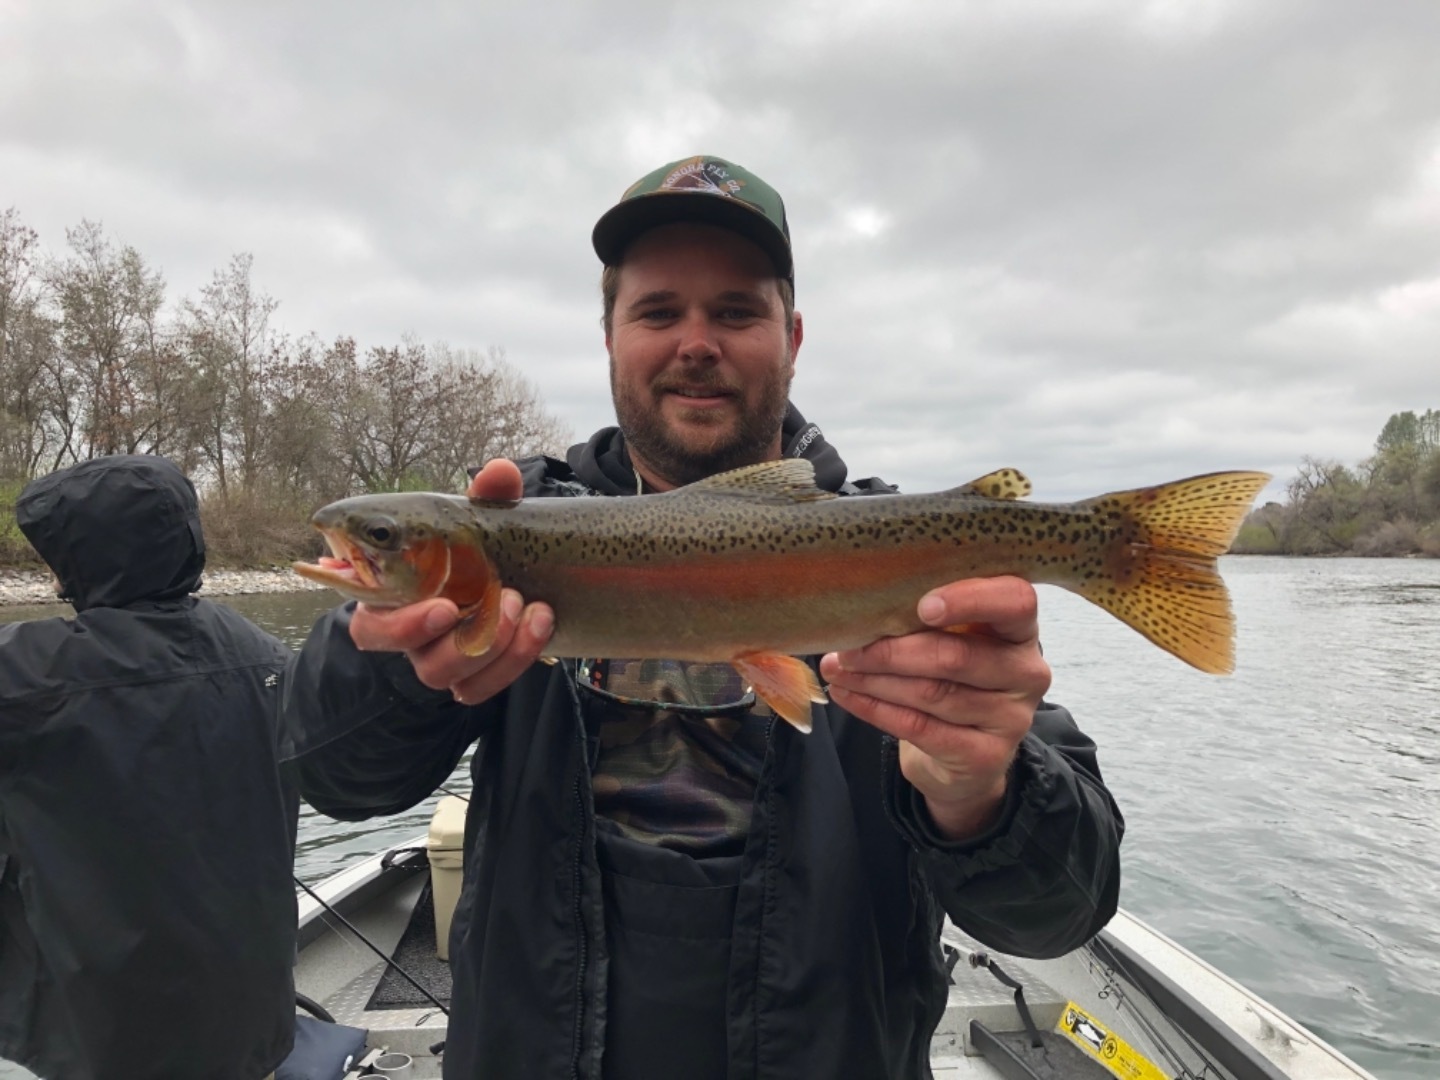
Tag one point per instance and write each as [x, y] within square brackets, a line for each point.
[15, 550]
[1254, 539]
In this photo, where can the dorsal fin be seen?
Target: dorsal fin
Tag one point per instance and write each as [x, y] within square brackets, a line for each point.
[788, 480]
[1000, 484]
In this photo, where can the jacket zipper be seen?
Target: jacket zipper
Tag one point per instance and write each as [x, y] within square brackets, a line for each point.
[765, 870]
[581, 944]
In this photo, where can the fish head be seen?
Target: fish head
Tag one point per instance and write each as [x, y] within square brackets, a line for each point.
[386, 551]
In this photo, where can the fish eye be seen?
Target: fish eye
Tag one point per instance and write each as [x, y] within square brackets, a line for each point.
[383, 532]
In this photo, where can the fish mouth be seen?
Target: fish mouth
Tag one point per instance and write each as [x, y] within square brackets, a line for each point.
[349, 568]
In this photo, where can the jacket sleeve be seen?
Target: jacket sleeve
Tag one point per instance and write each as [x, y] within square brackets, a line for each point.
[361, 736]
[1046, 878]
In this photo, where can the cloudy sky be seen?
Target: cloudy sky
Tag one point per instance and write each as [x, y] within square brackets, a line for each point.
[1109, 242]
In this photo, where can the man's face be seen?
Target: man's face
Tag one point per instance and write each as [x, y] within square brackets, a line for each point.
[700, 358]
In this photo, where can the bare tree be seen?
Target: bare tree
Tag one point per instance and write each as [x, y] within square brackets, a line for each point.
[301, 451]
[27, 344]
[163, 378]
[18, 279]
[230, 349]
[487, 409]
[386, 417]
[106, 299]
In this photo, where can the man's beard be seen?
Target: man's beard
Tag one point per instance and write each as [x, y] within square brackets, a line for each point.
[750, 442]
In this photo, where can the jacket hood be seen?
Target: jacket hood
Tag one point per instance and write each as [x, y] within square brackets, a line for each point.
[116, 530]
[604, 464]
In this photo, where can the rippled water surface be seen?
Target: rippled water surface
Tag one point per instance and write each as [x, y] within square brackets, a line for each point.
[1283, 823]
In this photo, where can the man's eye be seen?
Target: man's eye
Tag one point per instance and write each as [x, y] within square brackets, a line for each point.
[737, 314]
[658, 315]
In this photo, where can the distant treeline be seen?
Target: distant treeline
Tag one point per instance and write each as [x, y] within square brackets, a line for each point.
[96, 360]
[1387, 505]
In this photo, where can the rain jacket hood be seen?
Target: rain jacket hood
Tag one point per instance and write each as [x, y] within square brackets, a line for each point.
[108, 528]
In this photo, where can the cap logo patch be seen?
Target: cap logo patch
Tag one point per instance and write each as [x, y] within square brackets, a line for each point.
[700, 174]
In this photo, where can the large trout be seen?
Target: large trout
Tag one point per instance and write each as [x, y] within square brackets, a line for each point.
[758, 566]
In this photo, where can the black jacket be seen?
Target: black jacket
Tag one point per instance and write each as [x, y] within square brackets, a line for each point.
[147, 911]
[836, 968]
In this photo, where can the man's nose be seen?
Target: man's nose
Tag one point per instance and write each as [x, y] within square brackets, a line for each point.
[697, 341]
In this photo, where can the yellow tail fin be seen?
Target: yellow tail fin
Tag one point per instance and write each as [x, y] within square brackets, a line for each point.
[1159, 570]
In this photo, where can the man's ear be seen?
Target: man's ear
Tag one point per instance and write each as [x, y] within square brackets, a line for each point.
[797, 335]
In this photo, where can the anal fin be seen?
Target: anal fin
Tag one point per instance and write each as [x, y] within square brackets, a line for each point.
[979, 629]
[965, 628]
[784, 683]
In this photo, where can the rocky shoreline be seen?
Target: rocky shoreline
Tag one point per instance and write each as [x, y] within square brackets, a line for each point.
[33, 586]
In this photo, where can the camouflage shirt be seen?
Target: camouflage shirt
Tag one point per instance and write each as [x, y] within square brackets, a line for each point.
[684, 776]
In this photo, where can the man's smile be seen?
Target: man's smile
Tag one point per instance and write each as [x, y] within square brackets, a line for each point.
[700, 398]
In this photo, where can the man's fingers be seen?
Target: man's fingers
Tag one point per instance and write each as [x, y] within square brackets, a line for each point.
[423, 633]
[526, 643]
[952, 702]
[975, 749]
[1005, 605]
[440, 664]
[499, 480]
[977, 660]
[401, 629]
[914, 708]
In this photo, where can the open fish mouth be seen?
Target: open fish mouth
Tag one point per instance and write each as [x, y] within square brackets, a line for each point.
[349, 567]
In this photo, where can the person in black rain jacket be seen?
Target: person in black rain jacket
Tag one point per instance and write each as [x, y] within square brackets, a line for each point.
[660, 879]
[147, 910]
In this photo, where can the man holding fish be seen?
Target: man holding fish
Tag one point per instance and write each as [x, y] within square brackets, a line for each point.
[660, 879]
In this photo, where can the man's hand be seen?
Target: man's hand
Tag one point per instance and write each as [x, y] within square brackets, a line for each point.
[422, 630]
[960, 703]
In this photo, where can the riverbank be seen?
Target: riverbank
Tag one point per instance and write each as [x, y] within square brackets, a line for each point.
[33, 586]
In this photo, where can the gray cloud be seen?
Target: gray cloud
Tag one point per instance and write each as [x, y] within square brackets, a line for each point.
[1107, 242]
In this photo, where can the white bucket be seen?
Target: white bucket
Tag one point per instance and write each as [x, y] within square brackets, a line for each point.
[392, 1066]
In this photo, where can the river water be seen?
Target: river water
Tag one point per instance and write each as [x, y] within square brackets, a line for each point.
[1282, 823]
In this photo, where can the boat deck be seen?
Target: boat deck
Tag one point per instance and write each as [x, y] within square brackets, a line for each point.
[341, 973]
[344, 976]
[1165, 1005]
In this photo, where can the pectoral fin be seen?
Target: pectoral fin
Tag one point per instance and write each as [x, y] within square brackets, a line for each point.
[478, 625]
[784, 683]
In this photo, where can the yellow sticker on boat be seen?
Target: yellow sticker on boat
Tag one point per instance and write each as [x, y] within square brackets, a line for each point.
[1102, 1044]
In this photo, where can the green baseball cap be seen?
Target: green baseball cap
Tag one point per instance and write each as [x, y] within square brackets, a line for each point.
[708, 189]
